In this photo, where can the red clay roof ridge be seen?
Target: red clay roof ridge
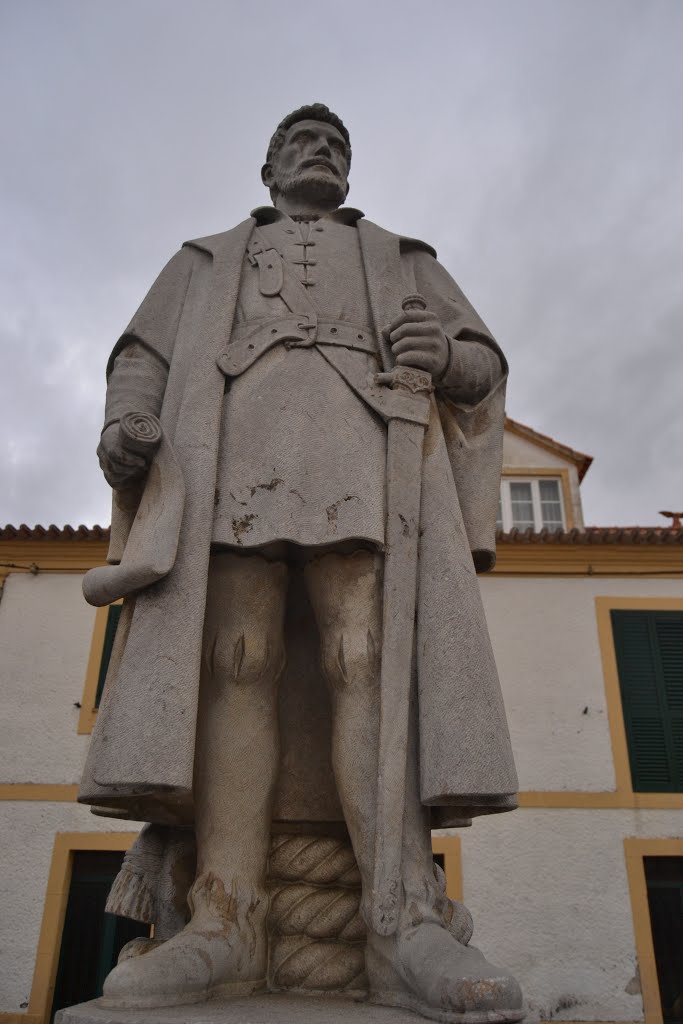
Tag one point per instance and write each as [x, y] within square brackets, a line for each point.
[587, 535]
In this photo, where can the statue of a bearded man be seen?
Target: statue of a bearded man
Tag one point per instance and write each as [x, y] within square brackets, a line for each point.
[303, 431]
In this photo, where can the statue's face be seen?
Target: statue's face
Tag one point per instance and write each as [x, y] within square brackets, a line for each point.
[311, 164]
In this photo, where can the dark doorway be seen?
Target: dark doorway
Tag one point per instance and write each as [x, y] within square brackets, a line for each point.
[664, 876]
[91, 938]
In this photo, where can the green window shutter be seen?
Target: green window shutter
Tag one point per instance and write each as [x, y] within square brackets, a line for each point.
[649, 650]
[113, 616]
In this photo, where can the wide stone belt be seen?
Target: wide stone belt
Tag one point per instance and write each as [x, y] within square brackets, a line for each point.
[249, 341]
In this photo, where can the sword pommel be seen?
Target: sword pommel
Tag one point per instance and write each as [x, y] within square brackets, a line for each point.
[407, 378]
[413, 302]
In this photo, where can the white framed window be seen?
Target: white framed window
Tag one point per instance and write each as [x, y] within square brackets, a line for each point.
[530, 502]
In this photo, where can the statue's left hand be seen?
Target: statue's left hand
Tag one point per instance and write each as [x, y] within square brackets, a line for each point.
[418, 340]
[121, 468]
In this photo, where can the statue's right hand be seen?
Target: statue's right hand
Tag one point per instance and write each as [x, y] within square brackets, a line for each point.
[121, 467]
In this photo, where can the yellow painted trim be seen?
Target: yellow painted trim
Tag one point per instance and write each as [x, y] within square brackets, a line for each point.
[560, 472]
[543, 559]
[665, 561]
[615, 714]
[635, 850]
[601, 800]
[51, 556]
[59, 880]
[19, 1018]
[88, 713]
[646, 604]
[48, 792]
[549, 799]
[449, 846]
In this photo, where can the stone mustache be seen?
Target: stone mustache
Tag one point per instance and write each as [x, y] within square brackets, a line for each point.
[303, 431]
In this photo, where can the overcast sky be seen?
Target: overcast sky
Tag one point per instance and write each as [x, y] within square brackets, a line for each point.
[537, 144]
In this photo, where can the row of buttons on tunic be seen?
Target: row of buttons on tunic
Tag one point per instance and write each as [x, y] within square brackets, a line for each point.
[306, 244]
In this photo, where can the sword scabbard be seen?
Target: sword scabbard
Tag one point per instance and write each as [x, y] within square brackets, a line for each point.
[404, 477]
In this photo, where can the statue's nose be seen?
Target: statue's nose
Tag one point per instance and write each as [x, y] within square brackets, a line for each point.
[323, 149]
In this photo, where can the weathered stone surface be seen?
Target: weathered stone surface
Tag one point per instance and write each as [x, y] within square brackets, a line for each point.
[327, 412]
[273, 1008]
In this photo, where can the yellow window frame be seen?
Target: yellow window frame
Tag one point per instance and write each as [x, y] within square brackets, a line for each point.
[556, 473]
[88, 713]
[635, 850]
[624, 795]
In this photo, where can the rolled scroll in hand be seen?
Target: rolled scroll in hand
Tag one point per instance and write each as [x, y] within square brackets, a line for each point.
[151, 536]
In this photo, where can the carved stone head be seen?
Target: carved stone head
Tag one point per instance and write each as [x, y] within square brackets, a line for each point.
[309, 156]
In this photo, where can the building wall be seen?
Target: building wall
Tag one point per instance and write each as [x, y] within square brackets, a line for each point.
[549, 893]
[45, 632]
[547, 885]
[545, 639]
[28, 831]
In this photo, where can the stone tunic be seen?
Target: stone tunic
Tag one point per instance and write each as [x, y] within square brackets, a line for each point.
[302, 457]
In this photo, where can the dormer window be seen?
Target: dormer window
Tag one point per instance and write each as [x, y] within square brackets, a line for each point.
[530, 503]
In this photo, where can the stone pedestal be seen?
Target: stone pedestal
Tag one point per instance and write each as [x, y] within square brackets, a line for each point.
[272, 1008]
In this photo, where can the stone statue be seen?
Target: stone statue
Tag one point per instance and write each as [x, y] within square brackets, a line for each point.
[303, 432]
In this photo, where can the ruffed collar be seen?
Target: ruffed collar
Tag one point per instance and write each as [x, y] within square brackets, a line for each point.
[344, 215]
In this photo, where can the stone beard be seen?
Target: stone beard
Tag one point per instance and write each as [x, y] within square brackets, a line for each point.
[243, 701]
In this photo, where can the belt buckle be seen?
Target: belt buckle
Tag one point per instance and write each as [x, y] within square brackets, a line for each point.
[311, 328]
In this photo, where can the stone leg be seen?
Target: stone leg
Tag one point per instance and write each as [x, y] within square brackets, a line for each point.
[237, 731]
[223, 949]
[423, 966]
[346, 595]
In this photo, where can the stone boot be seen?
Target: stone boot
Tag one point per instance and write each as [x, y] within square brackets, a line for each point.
[221, 951]
[423, 967]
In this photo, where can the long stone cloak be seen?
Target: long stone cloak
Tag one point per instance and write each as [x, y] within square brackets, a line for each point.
[140, 762]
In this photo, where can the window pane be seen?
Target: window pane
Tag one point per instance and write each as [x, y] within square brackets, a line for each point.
[522, 505]
[551, 506]
[91, 938]
[499, 514]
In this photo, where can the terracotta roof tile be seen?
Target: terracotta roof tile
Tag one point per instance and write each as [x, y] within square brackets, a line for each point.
[590, 535]
[595, 535]
[58, 533]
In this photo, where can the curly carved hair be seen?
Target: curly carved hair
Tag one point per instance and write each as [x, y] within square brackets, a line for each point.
[312, 112]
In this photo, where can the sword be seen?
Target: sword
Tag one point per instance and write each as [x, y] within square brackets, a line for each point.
[404, 481]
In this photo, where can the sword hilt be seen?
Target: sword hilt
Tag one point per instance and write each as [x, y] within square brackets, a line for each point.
[413, 302]
[406, 378]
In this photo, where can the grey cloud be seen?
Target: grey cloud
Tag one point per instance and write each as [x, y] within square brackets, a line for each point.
[537, 145]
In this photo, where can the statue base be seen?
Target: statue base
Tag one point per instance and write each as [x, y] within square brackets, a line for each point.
[265, 1008]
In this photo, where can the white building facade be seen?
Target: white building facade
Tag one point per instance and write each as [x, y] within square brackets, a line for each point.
[570, 891]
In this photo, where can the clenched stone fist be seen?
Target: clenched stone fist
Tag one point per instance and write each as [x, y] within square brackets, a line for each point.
[417, 339]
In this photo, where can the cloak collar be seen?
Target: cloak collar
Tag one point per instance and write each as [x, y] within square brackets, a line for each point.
[344, 215]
